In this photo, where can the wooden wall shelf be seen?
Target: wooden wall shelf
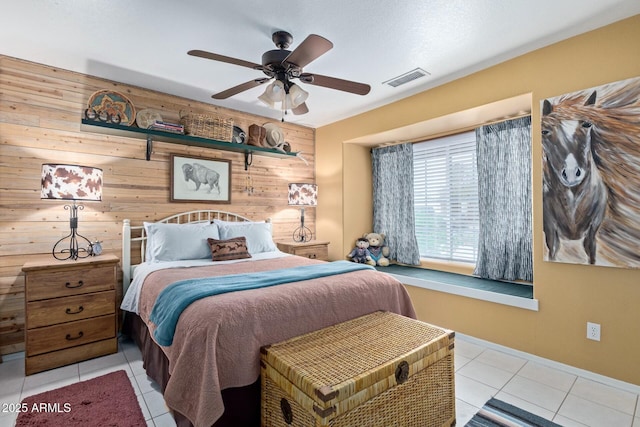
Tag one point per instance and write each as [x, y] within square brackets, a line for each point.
[156, 135]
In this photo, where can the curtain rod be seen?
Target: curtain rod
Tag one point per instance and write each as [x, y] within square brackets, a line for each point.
[452, 131]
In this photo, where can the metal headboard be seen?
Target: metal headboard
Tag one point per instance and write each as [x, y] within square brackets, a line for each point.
[139, 234]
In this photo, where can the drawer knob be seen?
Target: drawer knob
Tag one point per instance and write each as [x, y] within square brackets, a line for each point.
[79, 310]
[70, 286]
[312, 256]
[70, 338]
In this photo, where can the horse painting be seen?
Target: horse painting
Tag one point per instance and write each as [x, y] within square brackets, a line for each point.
[575, 197]
[591, 175]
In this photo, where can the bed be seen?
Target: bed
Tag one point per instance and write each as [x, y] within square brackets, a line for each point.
[206, 357]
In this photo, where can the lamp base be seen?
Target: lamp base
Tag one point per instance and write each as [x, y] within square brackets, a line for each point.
[74, 252]
[302, 234]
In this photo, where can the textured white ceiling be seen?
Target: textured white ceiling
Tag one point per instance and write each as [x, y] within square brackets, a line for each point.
[145, 42]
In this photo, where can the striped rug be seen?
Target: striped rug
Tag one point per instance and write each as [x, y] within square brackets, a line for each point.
[496, 413]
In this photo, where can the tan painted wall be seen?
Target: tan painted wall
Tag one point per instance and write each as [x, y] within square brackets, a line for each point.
[569, 295]
[344, 197]
[40, 112]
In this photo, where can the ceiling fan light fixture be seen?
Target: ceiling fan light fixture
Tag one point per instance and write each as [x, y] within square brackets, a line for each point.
[273, 93]
[296, 96]
[265, 99]
[283, 65]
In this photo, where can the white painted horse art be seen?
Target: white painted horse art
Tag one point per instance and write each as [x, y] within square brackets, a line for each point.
[574, 194]
[600, 128]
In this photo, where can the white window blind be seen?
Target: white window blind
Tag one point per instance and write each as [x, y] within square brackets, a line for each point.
[446, 197]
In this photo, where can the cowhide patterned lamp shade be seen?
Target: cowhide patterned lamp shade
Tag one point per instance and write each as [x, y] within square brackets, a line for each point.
[71, 182]
[303, 194]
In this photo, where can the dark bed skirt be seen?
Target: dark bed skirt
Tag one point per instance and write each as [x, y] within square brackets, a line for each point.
[242, 404]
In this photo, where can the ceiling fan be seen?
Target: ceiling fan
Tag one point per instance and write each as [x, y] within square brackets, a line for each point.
[283, 66]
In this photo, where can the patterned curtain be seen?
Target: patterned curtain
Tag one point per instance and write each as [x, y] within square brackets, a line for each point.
[504, 196]
[393, 213]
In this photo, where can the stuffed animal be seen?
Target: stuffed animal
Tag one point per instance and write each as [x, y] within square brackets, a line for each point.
[360, 253]
[377, 249]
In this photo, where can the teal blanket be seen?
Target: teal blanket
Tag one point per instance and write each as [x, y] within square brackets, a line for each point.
[176, 297]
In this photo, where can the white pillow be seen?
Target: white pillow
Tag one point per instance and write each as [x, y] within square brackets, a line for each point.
[257, 234]
[174, 242]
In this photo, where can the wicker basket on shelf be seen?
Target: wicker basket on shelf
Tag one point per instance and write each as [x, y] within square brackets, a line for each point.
[207, 126]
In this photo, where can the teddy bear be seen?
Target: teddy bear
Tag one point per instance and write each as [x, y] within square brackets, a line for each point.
[377, 249]
[360, 253]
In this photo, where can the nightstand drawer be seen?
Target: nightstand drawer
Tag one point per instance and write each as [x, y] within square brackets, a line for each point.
[65, 335]
[60, 283]
[313, 252]
[45, 361]
[68, 309]
[314, 249]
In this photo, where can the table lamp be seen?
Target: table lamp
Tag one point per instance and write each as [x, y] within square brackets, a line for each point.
[302, 195]
[71, 182]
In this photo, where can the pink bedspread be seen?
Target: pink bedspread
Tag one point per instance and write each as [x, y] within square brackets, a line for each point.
[217, 340]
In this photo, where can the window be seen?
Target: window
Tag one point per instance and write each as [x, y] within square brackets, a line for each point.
[446, 197]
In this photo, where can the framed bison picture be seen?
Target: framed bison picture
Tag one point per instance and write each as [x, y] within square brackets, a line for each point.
[198, 179]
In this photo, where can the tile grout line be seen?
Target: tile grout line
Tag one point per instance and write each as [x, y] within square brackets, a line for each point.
[557, 414]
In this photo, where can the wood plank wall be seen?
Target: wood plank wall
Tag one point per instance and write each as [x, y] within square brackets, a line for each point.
[40, 113]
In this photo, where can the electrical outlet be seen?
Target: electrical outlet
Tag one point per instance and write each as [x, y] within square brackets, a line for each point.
[593, 331]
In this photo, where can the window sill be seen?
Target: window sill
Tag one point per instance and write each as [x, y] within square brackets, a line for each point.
[506, 293]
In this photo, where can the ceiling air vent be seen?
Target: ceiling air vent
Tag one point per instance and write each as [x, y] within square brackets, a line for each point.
[407, 77]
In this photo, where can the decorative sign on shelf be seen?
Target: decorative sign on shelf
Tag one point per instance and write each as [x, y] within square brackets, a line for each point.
[110, 107]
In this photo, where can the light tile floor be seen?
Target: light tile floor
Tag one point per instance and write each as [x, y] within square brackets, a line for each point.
[565, 398]
[481, 372]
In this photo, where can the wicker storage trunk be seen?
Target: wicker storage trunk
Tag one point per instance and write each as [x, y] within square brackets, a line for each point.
[380, 370]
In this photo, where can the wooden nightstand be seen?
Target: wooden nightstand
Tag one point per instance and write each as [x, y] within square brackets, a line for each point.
[315, 249]
[70, 311]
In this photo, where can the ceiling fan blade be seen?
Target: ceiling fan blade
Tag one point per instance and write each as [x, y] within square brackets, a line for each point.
[335, 83]
[222, 58]
[300, 109]
[240, 88]
[311, 48]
